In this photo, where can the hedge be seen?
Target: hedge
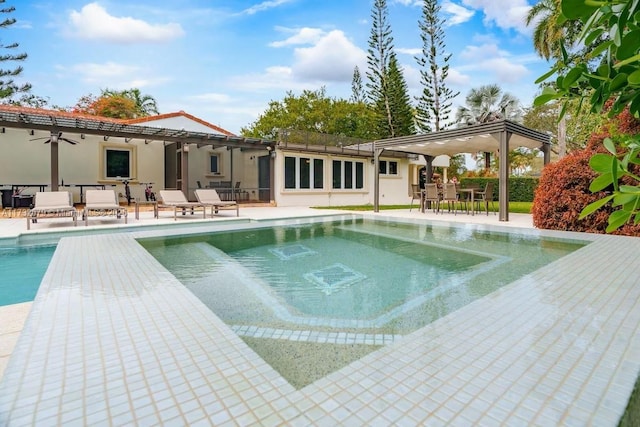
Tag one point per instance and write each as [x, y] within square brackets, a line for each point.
[520, 189]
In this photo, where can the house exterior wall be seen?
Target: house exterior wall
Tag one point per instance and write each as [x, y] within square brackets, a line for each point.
[394, 189]
[29, 162]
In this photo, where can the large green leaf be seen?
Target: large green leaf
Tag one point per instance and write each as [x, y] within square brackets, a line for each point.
[623, 199]
[629, 45]
[617, 219]
[576, 9]
[601, 162]
[592, 207]
[630, 189]
[572, 76]
[610, 146]
[618, 82]
[634, 78]
[544, 98]
[601, 182]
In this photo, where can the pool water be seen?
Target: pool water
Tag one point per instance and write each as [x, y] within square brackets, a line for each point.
[21, 271]
[366, 280]
[353, 273]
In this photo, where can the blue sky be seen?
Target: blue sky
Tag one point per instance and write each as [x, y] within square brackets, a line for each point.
[224, 60]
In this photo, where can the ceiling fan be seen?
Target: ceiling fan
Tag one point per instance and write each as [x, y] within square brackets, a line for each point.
[55, 138]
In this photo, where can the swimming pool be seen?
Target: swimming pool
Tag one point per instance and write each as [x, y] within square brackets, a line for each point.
[355, 276]
[132, 345]
[21, 270]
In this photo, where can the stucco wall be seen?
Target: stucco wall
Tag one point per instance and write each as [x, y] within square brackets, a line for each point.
[394, 189]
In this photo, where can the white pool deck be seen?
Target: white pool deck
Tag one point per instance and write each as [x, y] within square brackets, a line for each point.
[112, 338]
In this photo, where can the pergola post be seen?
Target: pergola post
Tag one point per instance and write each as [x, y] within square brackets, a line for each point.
[546, 151]
[429, 170]
[503, 174]
[376, 179]
[184, 168]
[54, 160]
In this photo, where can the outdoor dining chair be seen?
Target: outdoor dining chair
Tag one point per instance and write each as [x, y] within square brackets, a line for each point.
[432, 197]
[450, 195]
[415, 195]
[485, 197]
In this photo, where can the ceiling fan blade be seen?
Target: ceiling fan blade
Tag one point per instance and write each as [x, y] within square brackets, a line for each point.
[47, 141]
[70, 141]
[36, 139]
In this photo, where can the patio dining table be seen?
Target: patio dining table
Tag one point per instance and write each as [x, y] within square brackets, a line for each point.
[471, 191]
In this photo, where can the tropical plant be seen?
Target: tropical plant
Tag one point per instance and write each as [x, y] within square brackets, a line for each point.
[144, 105]
[617, 78]
[434, 103]
[8, 85]
[487, 104]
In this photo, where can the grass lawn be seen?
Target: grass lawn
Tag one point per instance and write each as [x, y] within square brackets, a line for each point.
[514, 207]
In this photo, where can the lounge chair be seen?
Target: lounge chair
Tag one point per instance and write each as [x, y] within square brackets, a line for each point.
[210, 197]
[175, 199]
[52, 204]
[105, 202]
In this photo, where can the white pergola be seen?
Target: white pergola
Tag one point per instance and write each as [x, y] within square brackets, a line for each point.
[500, 136]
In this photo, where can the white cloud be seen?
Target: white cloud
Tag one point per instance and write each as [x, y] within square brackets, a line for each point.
[458, 13]
[456, 78]
[300, 36]
[500, 65]
[93, 22]
[506, 14]
[409, 51]
[478, 53]
[409, 2]
[265, 5]
[333, 58]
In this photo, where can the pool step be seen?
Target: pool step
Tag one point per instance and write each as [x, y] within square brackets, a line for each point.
[315, 336]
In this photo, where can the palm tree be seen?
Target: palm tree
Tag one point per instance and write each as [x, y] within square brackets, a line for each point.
[144, 105]
[487, 104]
[548, 34]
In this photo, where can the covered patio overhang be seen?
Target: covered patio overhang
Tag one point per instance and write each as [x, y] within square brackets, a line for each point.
[499, 136]
[60, 123]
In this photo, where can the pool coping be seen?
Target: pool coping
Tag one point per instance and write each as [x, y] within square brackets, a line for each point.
[108, 343]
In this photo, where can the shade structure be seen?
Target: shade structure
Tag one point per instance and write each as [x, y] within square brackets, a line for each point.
[58, 122]
[500, 136]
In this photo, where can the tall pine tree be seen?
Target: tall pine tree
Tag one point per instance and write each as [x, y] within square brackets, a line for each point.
[357, 90]
[434, 104]
[402, 120]
[379, 87]
[8, 86]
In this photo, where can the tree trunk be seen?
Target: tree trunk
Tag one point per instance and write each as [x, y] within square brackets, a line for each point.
[562, 137]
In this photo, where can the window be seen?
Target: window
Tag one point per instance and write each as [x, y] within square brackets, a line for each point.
[303, 173]
[348, 174]
[118, 162]
[214, 164]
[388, 167]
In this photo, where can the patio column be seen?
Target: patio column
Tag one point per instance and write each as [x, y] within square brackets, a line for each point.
[376, 180]
[54, 160]
[184, 166]
[546, 151]
[503, 183]
[429, 160]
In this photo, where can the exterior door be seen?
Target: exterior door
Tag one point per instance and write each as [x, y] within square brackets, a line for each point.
[264, 178]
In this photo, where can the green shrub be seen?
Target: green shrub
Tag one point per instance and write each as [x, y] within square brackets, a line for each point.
[564, 187]
[520, 189]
